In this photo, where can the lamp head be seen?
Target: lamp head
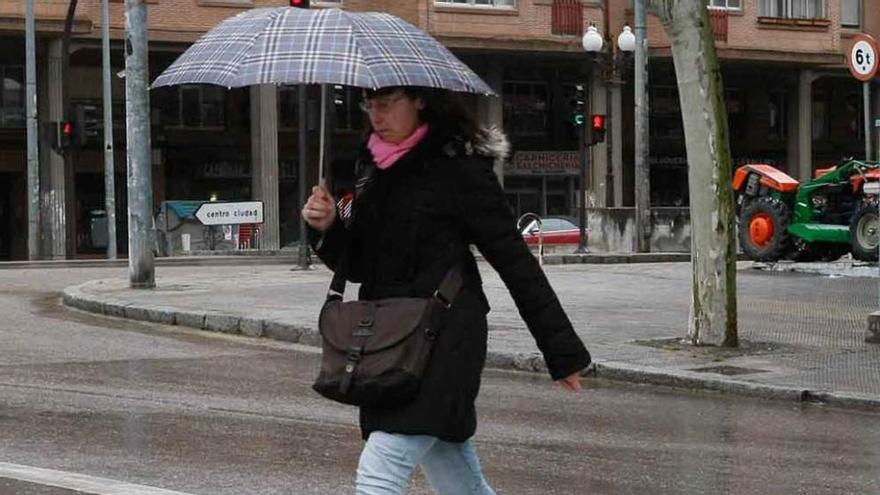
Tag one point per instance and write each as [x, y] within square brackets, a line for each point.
[626, 42]
[592, 40]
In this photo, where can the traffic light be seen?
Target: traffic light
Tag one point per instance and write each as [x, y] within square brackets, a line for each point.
[303, 4]
[86, 126]
[66, 135]
[597, 129]
[577, 102]
[338, 95]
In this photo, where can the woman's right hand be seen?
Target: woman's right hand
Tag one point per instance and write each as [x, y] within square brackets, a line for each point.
[320, 210]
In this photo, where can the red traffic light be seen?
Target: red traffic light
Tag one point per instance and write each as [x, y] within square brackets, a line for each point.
[67, 128]
[597, 122]
[303, 4]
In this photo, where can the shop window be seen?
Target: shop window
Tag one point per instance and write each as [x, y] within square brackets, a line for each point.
[12, 97]
[348, 115]
[196, 107]
[820, 116]
[851, 13]
[526, 107]
[778, 116]
[736, 113]
[665, 118]
[478, 3]
[792, 9]
[855, 116]
[725, 4]
[288, 112]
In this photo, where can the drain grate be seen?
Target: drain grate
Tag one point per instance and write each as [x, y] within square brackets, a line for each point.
[728, 370]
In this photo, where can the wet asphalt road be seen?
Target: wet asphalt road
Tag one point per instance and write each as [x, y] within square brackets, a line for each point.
[209, 414]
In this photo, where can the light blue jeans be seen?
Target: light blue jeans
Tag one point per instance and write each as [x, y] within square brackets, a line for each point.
[388, 460]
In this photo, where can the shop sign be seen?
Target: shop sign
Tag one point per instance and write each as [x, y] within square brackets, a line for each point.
[242, 169]
[544, 163]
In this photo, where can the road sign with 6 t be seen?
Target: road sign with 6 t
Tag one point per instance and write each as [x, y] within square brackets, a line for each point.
[863, 57]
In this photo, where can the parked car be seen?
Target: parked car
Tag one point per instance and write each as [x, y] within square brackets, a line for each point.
[557, 230]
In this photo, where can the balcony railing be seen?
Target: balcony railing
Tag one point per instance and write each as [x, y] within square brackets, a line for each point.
[718, 20]
[568, 17]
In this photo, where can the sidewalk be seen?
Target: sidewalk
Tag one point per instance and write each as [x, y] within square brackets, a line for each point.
[802, 335]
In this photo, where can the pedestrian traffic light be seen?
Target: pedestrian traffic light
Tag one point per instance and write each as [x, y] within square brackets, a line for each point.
[65, 135]
[303, 4]
[597, 129]
[577, 102]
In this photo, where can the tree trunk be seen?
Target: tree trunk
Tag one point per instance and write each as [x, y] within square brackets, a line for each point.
[712, 318]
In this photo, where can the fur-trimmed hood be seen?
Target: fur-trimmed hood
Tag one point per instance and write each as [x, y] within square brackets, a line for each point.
[488, 141]
[492, 142]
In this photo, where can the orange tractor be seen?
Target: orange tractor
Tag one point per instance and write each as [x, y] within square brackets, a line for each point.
[822, 219]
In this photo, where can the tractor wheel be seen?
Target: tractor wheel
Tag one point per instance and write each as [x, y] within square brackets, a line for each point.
[863, 232]
[762, 229]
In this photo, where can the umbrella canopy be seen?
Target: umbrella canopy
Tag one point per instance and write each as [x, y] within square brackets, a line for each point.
[289, 45]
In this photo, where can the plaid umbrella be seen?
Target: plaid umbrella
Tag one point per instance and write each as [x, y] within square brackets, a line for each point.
[300, 46]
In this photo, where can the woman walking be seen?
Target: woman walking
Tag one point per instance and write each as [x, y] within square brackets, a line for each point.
[425, 191]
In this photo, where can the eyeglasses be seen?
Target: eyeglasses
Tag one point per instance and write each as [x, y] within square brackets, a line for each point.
[380, 106]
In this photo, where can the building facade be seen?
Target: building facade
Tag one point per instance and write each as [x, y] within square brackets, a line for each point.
[790, 100]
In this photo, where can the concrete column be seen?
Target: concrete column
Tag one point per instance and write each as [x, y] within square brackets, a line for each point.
[491, 110]
[264, 161]
[599, 153]
[805, 125]
[617, 144]
[54, 194]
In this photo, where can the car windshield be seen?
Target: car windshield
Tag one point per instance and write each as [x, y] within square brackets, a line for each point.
[551, 225]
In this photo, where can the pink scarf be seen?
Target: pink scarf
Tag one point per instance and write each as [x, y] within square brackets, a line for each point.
[385, 154]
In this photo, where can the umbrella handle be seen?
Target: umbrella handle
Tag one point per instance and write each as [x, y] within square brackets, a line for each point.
[323, 132]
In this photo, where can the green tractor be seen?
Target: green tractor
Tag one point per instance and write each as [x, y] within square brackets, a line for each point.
[821, 219]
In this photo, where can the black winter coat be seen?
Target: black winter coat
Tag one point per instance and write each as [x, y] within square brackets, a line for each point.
[410, 224]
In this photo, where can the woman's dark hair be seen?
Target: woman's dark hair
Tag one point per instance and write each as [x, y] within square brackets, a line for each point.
[443, 108]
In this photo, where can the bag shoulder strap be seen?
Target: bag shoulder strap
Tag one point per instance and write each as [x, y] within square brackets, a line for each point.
[445, 294]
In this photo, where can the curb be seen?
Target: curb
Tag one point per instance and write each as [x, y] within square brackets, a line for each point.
[75, 297]
[845, 268]
[214, 260]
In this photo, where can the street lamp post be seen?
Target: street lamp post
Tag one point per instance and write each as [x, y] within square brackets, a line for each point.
[593, 43]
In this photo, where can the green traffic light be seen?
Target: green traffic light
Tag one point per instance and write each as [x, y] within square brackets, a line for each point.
[579, 120]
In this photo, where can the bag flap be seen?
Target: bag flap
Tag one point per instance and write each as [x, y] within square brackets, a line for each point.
[392, 319]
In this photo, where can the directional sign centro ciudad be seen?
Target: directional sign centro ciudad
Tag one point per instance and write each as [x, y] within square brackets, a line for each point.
[230, 213]
[862, 59]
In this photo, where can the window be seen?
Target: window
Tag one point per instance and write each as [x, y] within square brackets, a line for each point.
[793, 9]
[347, 113]
[851, 13]
[479, 3]
[778, 115]
[12, 96]
[820, 116]
[855, 126]
[526, 105]
[288, 114]
[194, 107]
[725, 4]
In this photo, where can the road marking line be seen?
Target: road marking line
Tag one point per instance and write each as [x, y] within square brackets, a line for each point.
[76, 481]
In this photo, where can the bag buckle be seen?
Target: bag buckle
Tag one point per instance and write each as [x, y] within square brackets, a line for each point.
[354, 355]
[442, 300]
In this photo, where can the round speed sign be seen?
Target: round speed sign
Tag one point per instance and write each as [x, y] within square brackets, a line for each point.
[863, 57]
